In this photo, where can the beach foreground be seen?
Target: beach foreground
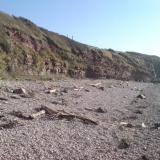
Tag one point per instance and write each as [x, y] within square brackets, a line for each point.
[89, 119]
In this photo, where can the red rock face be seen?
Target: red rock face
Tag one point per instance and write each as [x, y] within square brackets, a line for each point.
[25, 40]
[97, 66]
[102, 67]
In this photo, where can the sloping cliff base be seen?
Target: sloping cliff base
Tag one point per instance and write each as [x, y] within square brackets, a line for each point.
[126, 116]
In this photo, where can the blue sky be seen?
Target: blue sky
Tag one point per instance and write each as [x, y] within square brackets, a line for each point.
[125, 25]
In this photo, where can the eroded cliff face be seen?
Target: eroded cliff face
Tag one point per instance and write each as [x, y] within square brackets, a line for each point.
[26, 49]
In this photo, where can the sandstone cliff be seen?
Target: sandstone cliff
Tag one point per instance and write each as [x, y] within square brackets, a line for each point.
[26, 50]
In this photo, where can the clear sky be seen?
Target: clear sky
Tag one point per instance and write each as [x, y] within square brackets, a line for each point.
[124, 25]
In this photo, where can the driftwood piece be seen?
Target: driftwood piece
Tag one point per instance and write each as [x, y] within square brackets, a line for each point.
[89, 109]
[78, 89]
[14, 97]
[51, 91]
[126, 124]
[19, 114]
[98, 110]
[30, 94]
[95, 85]
[37, 114]
[10, 125]
[67, 115]
[98, 86]
[51, 111]
[84, 119]
[3, 99]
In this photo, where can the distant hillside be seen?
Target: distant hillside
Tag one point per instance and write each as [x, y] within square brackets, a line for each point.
[28, 50]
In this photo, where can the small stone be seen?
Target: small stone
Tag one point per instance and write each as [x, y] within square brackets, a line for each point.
[135, 101]
[64, 90]
[101, 88]
[138, 112]
[143, 125]
[111, 86]
[138, 89]
[60, 102]
[141, 96]
[145, 148]
[156, 125]
[125, 124]
[144, 157]
[100, 110]
[20, 91]
[135, 88]
[87, 90]
[123, 144]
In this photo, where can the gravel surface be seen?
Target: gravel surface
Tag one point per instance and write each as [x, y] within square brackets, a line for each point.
[128, 129]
